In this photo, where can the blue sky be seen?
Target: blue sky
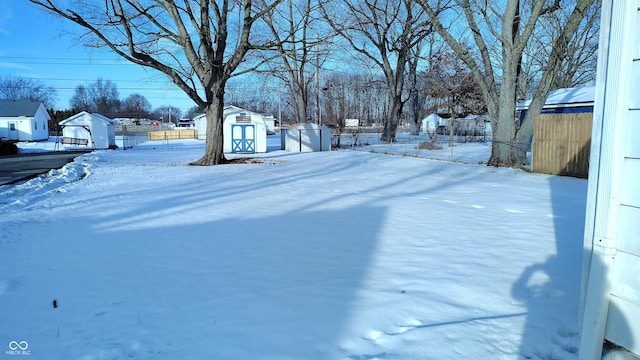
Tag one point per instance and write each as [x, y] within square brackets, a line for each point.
[37, 45]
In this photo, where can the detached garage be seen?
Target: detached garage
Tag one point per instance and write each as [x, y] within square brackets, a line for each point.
[23, 120]
[244, 131]
[88, 131]
[307, 137]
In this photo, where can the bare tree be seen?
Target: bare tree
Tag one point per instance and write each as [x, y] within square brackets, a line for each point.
[581, 54]
[100, 96]
[135, 106]
[17, 87]
[80, 99]
[198, 45]
[105, 97]
[295, 26]
[509, 27]
[384, 32]
[167, 114]
[416, 102]
[353, 95]
[450, 86]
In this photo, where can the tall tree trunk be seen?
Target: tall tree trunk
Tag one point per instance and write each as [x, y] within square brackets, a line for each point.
[391, 123]
[416, 124]
[214, 148]
[505, 151]
[299, 98]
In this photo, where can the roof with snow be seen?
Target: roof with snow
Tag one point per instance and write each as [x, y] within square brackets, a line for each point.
[568, 97]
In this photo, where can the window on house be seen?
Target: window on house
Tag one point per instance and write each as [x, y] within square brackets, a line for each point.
[36, 124]
[12, 127]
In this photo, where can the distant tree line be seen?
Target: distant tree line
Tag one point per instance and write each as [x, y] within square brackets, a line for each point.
[101, 96]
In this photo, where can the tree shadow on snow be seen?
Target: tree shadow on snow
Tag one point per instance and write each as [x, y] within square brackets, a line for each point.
[278, 286]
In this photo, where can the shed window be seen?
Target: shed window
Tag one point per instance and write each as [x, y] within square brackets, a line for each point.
[12, 127]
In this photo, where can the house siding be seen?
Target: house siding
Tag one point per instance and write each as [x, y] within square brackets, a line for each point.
[611, 286]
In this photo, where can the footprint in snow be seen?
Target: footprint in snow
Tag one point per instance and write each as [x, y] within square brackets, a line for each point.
[408, 325]
[373, 335]
[515, 211]
[566, 340]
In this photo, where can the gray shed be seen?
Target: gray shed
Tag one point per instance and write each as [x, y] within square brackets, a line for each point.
[307, 137]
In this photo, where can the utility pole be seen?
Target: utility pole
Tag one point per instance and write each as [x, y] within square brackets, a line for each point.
[279, 109]
[319, 116]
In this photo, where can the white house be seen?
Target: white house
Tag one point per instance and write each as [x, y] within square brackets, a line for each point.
[272, 123]
[88, 131]
[610, 298]
[431, 122]
[244, 131]
[307, 137]
[23, 120]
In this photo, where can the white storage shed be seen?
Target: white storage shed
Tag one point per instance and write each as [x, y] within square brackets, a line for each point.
[307, 137]
[88, 131]
[611, 262]
[244, 131]
[23, 120]
[431, 122]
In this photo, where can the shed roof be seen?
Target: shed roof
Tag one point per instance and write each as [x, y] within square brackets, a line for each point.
[229, 110]
[15, 108]
[87, 116]
[568, 97]
[307, 126]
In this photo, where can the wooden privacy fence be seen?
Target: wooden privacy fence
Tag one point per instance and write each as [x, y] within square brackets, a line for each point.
[561, 144]
[173, 134]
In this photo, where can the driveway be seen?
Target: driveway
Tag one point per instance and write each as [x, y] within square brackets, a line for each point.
[14, 168]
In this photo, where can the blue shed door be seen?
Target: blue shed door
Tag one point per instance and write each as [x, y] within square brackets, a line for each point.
[243, 138]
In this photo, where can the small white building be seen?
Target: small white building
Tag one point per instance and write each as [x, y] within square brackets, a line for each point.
[23, 120]
[351, 123]
[88, 131]
[272, 124]
[431, 122]
[307, 137]
[244, 131]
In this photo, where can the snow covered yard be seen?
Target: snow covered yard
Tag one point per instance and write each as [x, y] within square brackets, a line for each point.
[332, 255]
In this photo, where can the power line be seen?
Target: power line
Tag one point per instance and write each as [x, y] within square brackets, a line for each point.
[63, 63]
[55, 58]
[90, 80]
